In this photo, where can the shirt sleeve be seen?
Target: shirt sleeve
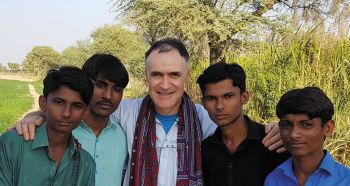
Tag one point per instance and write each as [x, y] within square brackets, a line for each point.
[6, 177]
[208, 126]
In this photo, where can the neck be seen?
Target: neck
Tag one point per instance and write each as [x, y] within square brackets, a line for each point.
[303, 167]
[234, 133]
[94, 122]
[58, 143]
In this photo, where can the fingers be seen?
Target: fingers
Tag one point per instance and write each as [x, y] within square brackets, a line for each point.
[281, 149]
[275, 145]
[272, 142]
[24, 128]
[18, 127]
[271, 130]
[31, 127]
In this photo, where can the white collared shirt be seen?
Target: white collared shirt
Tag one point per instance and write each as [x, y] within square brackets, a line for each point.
[127, 114]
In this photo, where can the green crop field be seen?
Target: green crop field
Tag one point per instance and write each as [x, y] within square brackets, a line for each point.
[14, 101]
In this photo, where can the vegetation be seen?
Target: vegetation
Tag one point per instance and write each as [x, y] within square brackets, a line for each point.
[14, 101]
[281, 44]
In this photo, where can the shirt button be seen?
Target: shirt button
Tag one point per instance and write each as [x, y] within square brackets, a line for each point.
[132, 164]
[132, 177]
[96, 156]
[133, 150]
[230, 165]
[229, 180]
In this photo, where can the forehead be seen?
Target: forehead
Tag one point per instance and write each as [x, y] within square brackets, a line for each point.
[170, 59]
[65, 93]
[300, 118]
[220, 88]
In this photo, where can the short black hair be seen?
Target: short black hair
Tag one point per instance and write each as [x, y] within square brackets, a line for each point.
[108, 67]
[69, 76]
[168, 44]
[221, 71]
[311, 101]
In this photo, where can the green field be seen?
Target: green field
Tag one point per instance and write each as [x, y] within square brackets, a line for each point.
[14, 101]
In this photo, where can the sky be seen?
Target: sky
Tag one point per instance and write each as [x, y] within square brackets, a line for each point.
[55, 23]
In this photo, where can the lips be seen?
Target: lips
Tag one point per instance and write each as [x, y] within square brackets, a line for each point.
[220, 116]
[164, 93]
[64, 123]
[296, 144]
[105, 105]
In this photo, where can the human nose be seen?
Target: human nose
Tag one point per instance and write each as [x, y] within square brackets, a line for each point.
[165, 82]
[66, 112]
[107, 93]
[220, 104]
[295, 132]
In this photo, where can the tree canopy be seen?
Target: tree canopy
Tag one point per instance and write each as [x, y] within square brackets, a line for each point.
[40, 59]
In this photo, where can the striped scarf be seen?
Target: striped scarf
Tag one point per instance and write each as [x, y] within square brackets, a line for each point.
[144, 161]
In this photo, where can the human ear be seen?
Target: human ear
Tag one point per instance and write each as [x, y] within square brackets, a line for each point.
[244, 97]
[328, 128]
[42, 103]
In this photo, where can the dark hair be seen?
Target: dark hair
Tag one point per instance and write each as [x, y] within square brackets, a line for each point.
[221, 71]
[168, 44]
[108, 67]
[311, 101]
[69, 76]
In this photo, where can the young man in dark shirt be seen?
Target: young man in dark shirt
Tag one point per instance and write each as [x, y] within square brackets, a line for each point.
[234, 154]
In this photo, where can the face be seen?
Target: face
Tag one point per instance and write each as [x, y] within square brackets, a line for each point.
[166, 74]
[105, 98]
[303, 136]
[63, 108]
[224, 102]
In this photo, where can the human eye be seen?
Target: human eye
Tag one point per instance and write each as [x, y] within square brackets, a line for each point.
[78, 106]
[227, 96]
[175, 74]
[209, 98]
[284, 124]
[58, 101]
[99, 84]
[155, 74]
[117, 89]
[306, 124]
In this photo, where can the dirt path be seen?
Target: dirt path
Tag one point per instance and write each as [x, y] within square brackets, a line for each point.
[32, 91]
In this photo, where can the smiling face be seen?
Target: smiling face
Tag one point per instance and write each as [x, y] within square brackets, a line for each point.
[224, 102]
[63, 108]
[166, 75]
[303, 136]
[105, 98]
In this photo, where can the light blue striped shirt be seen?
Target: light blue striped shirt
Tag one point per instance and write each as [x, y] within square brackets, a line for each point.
[330, 173]
[109, 151]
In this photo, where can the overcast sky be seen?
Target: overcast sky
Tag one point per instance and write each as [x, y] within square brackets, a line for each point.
[55, 23]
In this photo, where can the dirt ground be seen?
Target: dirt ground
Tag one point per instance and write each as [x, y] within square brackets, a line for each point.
[19, 77]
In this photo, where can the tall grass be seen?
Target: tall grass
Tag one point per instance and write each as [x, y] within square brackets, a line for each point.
[272, 70]
[14, 101]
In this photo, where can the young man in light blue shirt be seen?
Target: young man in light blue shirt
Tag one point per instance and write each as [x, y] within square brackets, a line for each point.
[305, 122]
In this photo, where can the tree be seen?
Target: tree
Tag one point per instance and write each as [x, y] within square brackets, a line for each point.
[14, 67]
[213, 27]
[126, 45]
[40, 59]
[77, 54]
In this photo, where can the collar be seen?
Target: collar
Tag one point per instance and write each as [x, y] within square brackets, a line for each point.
[328, 165]
[252, 131]
[109, 125]
[41, 140]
